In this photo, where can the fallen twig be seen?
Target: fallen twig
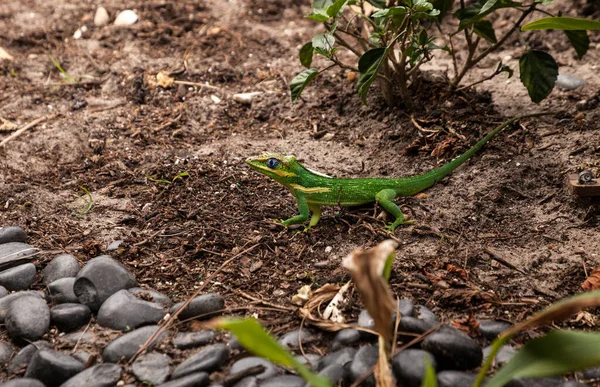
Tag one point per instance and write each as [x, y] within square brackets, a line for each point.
[27, 127]
[496, 257]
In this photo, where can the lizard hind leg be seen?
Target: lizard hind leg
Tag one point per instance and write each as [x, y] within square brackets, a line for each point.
[386, 197]
[316, 214]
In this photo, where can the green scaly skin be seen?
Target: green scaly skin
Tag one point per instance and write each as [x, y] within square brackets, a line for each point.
[313, 190]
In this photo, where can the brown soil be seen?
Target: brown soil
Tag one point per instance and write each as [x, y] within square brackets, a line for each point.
[118, 135]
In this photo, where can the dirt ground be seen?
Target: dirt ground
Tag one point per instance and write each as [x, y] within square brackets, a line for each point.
[119, 136]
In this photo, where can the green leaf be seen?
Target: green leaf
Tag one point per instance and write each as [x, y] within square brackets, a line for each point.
[422, 6]
[323, 44]
[300, 81]
[429, 380]
[502, 68]
[336, 7]
[485, 29]
[557, 353]
[317, 17]
[473, 13]
[538, 73]
[489, 5]
[422, 39]
[254, 338]
[562, 23]
[306, 54]
[545, 2]
[387, 268]
[444, 6]
[580, 41]
[390, 12]
[378, 3]
[368, 66]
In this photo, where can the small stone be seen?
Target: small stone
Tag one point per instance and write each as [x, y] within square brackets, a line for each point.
[455, 379]
[62, 266]
[407, 308]
[77, 34]
[334, 372]
[249, 381]
[253, 361]
[100, 278]
[503, 356]
[52, 367]
[341, 357]
[128, 344]
[311, 360]
[114, 246]
[3, 292]
[78, 337]
[199, 379]
[23, 357]
[201, 307]
[291, 339]
[409, 366]
[283, 381]
[152, 296]
[100, 375]
[579, 116]
[124, 311]
[215, 99]
[61, 291]
[246, 98]
[82, 356]
[6, 351]
[209, 359]
[14, 254]
[70, 317]
[366, 321]
[151, 368]
[569, 81]
[23, 382]
[491, 329]
[19, 277]
[582, 105]
[7, 300]
[423, 313]
[101, 17]
[12, 234]
[453, 349]
[365, 358]
[27, 317]
[126, 18]
[592, 373]
[346, 336]
[413, 325]
[186, 340]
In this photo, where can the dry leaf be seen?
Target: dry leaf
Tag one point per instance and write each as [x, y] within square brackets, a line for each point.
[593, 281]
[5, 55]
[454, 269]
[382, 371]
[333, 311]
[163, 80]
[443, 146]
[303, 295]
[469, 325]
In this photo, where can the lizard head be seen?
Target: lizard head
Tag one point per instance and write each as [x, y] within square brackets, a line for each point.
[284, 169]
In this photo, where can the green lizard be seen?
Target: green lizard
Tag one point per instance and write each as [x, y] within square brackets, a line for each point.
[313, 190]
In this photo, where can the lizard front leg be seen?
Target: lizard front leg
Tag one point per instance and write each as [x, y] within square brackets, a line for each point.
[385, 197]
[302, 208]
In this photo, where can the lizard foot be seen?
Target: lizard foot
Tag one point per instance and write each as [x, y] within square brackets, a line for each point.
[392, 227]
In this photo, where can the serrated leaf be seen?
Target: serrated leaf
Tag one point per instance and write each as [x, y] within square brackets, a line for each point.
[336, 7]
[580, 41]
[378, 3]
[562, 23]
[538, 73]
[300, 81]
[368, 66]
[306, 54]
[485, 29]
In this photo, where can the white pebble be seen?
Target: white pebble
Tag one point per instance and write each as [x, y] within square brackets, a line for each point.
[126, 18]
[215, 99]
[246, 98]
[101, 17]
[77, 34]
[328, 249]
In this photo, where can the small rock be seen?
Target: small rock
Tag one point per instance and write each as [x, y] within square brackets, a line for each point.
[209, 359]
[78, 337]
[341, 357]
[346, 336]
[201, 307]
[52, 367]
[19, 277]
[249, 381]
[503, 356]
[62, 266]
[14, 254]
[23, 357]
[365, 358]
[61, 291]
[423, 313]
[6, 351]
[101, 17]
[82, 356]
[151, 368]
[186, 340]
[253, 361]
[126, 18]
[3, 292]
[128, 344]
[573, 383]
[453, 349]
[246, 98]
[290, 340]
[582, 105]
[124, 311]
[100, 278]
[366, 321]
[12, 234]
[455, 379]
[199, 379]
[592, 373]
[311, 360]
[23, 382]
[409, 366]
[413, 325]
[27, 317]
[114, 245]
[152, 296]
[283, 381]
[569, 81]
[407, 308]
[100, 375]
[334, 372]
[70, 317]
[491, 329]
[7, 300]
[77, 34]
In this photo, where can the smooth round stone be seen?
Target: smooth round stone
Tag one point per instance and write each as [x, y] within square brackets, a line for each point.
[99, 279]
[151, 368]
[14, 254]
[6, 351]
[100, 375]
[283, 381]
[128, 344]
[78, 337]
[82, 356]
[23, 357]
[346, 336]
[253, 361]
[19, 277]
[569, 81]
[126, 18]
[413, 325]
[7, 300]
[503, 356]
[455, 379]
[27, 317]
[249, 381]
[365, 358]
[3, 292]
[114, 245]
[152, 296]
[407, 307]
[185, 340]
[334, 372]
[423, 313]
[209, 359]
[62, 266]
[101, 17]
[409, 366]
[341, 357]
[124, 311]
[592, 373]
[310, 360]
[491, 329]
[573, 383]
[52, 367]
[291, 339]
[70, 317]
[366, 321]
[12, 234]
[453, 349]
[61, 291]
[23, 382]
[201, 307]
[199, 379]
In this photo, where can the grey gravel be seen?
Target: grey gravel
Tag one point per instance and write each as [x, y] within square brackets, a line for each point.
[12, 234]
[455, 379]
[199, 379]
[23, 382]
[208, 359]
[27, 317]
[62, 266]
[290, 339]
[365, 358]
[52, 367]
[491, 329]
[124, 311]
[128, 344]
[407, 308]
[19, 277]
[14, 254]
[283, 381]
[206, 306]
[78, 337]
[100, 375]
[250, 381]
[61, 291]
[592, 373]
[152, 296]
[253, 361]
[22, 358]
[114, 245]
[70, 317]
[151, 368]
[311, 360]
[366, 321]
[185, 340]
[82, 356]
[409, 366]
[453, 349]
[341, 357]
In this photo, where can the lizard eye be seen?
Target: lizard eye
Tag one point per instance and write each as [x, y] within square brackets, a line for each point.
[272, 163]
